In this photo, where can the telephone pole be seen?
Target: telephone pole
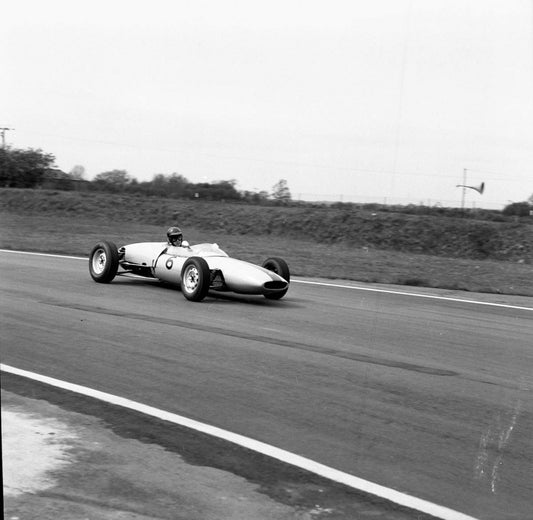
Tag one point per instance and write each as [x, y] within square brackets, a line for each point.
[464, 190]
[480, 189]
[3, 131]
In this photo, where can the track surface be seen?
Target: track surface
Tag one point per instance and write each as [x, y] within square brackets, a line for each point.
[430, 397]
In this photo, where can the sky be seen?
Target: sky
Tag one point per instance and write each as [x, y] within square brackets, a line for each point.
[393, 101]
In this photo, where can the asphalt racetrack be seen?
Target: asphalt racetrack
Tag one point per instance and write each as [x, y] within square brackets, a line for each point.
[427, 396]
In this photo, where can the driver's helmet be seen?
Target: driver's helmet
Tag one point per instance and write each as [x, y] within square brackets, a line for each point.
[175, 236]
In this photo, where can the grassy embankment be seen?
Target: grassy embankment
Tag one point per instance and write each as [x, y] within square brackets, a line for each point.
[340, 242]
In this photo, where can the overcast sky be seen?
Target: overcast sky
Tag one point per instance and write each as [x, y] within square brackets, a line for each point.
[386, 100]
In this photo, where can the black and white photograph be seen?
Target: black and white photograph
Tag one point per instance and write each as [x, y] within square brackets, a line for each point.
[266, 260]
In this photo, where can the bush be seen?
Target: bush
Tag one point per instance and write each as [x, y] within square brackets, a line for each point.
[519, 209]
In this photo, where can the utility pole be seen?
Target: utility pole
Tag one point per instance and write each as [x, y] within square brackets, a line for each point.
[480, 189]
[464, 190]
[3, 131]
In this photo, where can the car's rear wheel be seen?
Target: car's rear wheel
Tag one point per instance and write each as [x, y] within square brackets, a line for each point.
[280, 267]
[195, 279]
[103, 262]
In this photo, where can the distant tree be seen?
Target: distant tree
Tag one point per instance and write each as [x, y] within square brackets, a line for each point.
[177, 184]
[77, 173]
[23, 168]
[158, 185]
[530, 200]
[224, 190]
[219, 190]
[281, 192]
[255, 197]
[114, 180]
[166, 185]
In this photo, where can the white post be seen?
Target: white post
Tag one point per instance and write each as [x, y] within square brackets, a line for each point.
[464, 190]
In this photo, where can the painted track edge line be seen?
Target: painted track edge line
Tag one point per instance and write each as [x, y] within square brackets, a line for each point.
[36, 253]
[306, 464]
[418, 295]
[324, 284]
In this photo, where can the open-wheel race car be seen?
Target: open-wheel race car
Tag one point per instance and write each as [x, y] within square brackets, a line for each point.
[197, 269]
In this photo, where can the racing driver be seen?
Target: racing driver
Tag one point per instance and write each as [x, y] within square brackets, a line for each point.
[175, 236]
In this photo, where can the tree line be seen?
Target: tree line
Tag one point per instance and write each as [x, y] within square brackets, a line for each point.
[33, 168]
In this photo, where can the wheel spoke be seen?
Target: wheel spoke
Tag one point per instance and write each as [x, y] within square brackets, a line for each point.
[191, 278]
[99, 261]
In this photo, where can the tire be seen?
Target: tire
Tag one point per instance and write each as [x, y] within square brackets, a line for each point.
[103, 262]
[195, 279]
[280, 267]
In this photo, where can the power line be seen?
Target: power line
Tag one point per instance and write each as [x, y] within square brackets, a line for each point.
[289, 163]
[491, 173]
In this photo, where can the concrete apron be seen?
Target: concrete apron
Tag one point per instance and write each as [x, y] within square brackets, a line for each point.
[61, 465]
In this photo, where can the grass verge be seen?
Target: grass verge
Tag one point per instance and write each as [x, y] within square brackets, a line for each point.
[76, 235]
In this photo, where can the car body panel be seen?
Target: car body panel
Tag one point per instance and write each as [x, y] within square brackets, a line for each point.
[165, 262]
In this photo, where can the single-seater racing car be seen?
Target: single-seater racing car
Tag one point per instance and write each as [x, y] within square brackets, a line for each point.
[197, 269]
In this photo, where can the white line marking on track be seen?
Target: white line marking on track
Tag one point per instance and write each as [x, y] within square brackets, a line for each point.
[352, 481]
[326, 284]
[418, 295]
[41, 254]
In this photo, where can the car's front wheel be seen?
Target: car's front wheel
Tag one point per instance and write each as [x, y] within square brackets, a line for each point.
[195, 279]
[280, 267]
[103, 262]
